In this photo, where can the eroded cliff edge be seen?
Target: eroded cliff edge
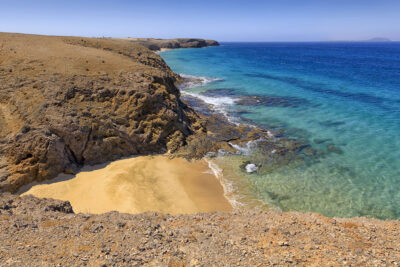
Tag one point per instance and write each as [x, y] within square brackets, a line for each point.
[158, 44]
[67, 101]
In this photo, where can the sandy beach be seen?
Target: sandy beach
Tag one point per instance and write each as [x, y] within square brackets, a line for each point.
[139, 184]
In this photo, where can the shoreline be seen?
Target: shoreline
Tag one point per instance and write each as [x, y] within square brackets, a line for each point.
[139, 184]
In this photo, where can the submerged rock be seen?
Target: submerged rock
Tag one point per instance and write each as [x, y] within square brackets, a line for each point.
[256, 100]
[270, 101]
[334, 149]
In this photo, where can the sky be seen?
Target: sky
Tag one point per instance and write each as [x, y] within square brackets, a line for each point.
[224, 20]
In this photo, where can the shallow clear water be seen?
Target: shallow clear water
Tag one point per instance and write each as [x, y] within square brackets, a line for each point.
[342, 98]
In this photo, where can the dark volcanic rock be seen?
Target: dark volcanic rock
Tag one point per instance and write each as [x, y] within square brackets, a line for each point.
[257, 100]
[220, 92]
[271, 101]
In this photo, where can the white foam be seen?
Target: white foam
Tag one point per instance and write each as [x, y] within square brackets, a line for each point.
[216, 101]
[251, 167]
[195, 81]
[228, 188]
[220, 104]
[246, 150]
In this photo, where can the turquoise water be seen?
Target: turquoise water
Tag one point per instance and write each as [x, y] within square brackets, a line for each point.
[341, 98]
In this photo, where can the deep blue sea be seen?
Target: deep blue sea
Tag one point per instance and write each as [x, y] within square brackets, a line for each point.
[342, 98]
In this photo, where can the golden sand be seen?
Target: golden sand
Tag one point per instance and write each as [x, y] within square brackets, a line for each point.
[139, 184]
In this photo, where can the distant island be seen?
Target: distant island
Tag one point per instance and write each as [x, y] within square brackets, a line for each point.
[378, 39]
[372, 40]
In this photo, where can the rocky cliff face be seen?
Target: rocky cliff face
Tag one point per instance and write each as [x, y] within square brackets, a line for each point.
[157, 44]
[65, 102]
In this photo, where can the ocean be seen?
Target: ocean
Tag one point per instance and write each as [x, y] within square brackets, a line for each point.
[343, 99]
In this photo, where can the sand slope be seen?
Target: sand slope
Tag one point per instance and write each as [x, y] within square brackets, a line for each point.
[139, 184]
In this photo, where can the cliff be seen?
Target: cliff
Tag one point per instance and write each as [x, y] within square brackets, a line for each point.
[66, 101]
[158, 44]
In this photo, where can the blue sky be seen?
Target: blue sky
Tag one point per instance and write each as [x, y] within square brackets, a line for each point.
[234, 20]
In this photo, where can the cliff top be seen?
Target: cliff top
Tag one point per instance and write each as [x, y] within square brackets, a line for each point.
[158, 44]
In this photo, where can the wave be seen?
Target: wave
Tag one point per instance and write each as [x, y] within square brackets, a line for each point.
[190, 81]
[220, 104]
[216, 101]
[250, 145]
[228, 187]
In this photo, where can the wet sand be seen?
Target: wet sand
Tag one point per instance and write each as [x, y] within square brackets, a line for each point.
[139, 184]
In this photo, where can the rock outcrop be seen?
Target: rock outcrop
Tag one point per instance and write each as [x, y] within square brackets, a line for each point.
[157, 44]
[66, 101]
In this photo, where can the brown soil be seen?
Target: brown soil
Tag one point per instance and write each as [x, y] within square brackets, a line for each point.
[37, 232]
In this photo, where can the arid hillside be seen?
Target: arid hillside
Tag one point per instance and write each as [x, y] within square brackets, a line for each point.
[67, 101]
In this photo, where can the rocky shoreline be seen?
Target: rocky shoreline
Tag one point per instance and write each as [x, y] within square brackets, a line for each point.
[66, 102]
[225, 136]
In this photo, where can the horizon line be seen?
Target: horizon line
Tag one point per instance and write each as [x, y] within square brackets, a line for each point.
[230, 41]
